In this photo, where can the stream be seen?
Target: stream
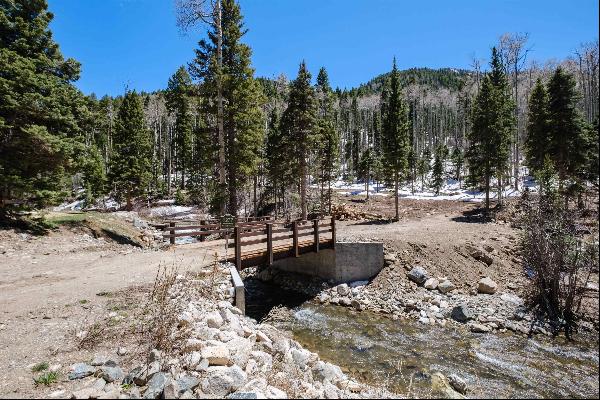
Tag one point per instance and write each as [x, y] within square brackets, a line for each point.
[402, 355]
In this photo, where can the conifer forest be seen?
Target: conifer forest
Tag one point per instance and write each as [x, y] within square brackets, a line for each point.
[480, 185]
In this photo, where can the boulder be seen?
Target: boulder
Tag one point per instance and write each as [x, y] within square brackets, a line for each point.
[446, 286]
[216, 355]
[110, 374]
[187, 382]
[487, 286]
[156, 385]
[458, 383]
[343, 290]
[214, 320]
[440, 386]
[431, 284]
[220, 381]
[81, 370]
[171, 390]
[462, 313]
[326, 372]
[417, 275]
[300, 357]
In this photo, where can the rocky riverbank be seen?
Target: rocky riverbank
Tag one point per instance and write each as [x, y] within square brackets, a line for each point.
[406, 291]
[212, 351]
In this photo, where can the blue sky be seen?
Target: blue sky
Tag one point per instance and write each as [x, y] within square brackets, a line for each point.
[136, 43]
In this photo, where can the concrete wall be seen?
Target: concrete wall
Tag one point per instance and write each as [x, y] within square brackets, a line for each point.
[349, 262]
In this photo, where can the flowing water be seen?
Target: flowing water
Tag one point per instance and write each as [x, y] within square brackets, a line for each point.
[403, 354]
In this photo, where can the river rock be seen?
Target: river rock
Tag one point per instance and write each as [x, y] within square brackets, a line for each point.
[431, 284]
[446, 286]
[458, 383]
[324, 371]
[110, 374]
[343, 290]
[300, 357]
[156, 385]
[214, 320]
[480, 328]
[216, 355]
[487, 286]
[441, 387]
[417, 275]
[220, 381]
[462, 313]
[81, 370]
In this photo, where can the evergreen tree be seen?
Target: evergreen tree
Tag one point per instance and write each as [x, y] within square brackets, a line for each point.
[178, 103]
[538, 128]
[39, 134]
[492, 124]
[593, 165]
[130, 164]
[94, 175]
[458, 160]
[423, 166]
[328, 135]
[233, 81]
[299, 125]
[395, 134]
[438, 168]
[567, 145]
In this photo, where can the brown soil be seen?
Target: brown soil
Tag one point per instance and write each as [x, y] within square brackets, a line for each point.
[52, 287]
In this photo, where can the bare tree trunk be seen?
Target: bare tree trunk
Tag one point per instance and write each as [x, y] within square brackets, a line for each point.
[303, 184]
[255, 202]
[396, 195]
[220, 133]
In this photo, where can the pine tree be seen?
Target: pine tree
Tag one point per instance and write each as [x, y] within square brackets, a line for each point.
[178, 103]
[423, 166]
[39, 134]
[299, 125]
[538, 128]
[395, 134]
[458, 160]
[328, 135]
[567, 144]
[233, 81]
[492, 124]
[94, 175]
[438, 168]
[130, 164]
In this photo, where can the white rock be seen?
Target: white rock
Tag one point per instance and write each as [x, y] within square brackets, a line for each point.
[214, 320]
[216, 355]
[343, 290]
[431, 284]
[487, 286]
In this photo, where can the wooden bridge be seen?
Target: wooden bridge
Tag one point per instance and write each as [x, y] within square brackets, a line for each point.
[260, 242]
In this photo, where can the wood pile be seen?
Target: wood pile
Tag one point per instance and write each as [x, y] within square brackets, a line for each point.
[344, 213]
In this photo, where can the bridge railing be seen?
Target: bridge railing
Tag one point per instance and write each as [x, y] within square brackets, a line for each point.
[273, 233]
[204, 228]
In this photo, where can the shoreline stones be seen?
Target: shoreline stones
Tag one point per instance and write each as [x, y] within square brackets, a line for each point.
[487, 286]
[418, 275]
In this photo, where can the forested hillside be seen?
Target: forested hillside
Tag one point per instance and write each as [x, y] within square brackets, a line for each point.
[219, 137]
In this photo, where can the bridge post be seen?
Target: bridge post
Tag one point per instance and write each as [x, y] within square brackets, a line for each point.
[270, 243]
[202, 238]
[295, 239]
[238, 248]
[172, 232]
[316, 231]
[333, 232]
